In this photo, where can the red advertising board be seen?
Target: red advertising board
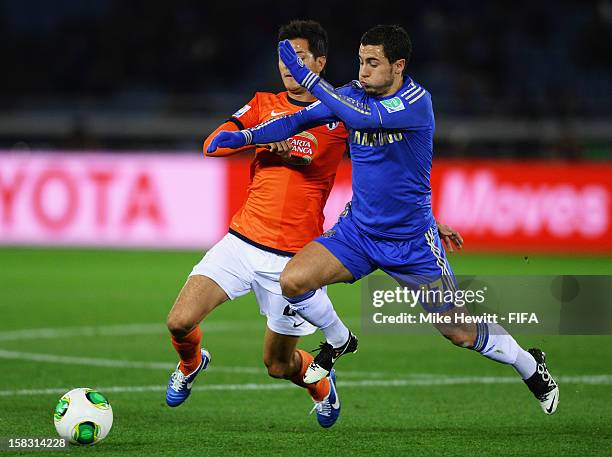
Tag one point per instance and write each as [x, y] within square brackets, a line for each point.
[526, 206]
[117, 200]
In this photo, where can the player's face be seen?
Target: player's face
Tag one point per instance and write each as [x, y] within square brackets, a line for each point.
[314, 64]
[376, 74]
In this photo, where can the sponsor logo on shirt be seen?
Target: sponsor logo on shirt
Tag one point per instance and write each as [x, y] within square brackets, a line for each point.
[303, 146]
[375, 139]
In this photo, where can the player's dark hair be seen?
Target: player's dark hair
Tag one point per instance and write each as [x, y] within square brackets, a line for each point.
[311, 31]
[394, 40]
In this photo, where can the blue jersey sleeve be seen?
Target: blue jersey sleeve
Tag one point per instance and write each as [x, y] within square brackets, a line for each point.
[408, 111]
[281, 128]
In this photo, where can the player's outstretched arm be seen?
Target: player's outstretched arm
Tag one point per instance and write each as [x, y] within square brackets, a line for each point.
[274, 130]
[371, 114]
[223, 152]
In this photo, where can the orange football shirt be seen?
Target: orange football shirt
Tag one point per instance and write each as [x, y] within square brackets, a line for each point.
[284, 206]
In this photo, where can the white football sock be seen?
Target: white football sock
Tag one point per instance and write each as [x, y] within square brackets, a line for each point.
[525, 364]
[316, 308]
[495, 343]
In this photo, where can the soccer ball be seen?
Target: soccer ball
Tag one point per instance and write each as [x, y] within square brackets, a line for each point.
[83, 416]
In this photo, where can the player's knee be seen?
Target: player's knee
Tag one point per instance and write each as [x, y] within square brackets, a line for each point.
[292, 285]
[179, 325]
[277, 369]
[460, 338]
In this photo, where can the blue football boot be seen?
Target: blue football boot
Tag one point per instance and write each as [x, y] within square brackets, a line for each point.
[179, 386]
[328, 410]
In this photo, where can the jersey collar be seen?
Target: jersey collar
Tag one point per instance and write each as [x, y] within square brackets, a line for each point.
[297, 102]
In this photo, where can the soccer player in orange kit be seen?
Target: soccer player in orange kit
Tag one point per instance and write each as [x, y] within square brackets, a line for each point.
[290, 183]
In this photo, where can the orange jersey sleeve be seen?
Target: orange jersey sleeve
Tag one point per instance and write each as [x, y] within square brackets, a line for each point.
[223, 152]
[245, 117]
[284, 206]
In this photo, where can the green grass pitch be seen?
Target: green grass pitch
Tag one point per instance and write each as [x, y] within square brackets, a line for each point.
[93, 318]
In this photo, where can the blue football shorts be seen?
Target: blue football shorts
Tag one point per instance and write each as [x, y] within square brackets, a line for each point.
[415, 262]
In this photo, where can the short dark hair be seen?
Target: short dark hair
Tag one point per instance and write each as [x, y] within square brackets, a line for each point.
[394, 40]
[311, 31]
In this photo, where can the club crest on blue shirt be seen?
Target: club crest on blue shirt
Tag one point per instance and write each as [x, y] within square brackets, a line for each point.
[393, 104]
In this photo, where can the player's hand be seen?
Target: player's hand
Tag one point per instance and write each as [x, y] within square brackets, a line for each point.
[281, 148]
[227, 139]
[452, 239]
[296, 66]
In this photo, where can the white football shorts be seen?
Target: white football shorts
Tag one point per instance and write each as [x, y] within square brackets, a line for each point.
[239, 267]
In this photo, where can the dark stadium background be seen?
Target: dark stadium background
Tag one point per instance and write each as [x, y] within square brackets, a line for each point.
[106, 203]
[194, 61]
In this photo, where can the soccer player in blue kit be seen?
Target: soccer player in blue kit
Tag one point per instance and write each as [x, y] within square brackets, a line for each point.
[389, 224]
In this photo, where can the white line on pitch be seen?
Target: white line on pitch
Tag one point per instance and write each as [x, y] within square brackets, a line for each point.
[115, 363]
[114, 330]
[438, 381]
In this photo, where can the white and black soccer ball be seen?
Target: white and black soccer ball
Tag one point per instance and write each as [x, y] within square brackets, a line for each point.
[83, 416]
